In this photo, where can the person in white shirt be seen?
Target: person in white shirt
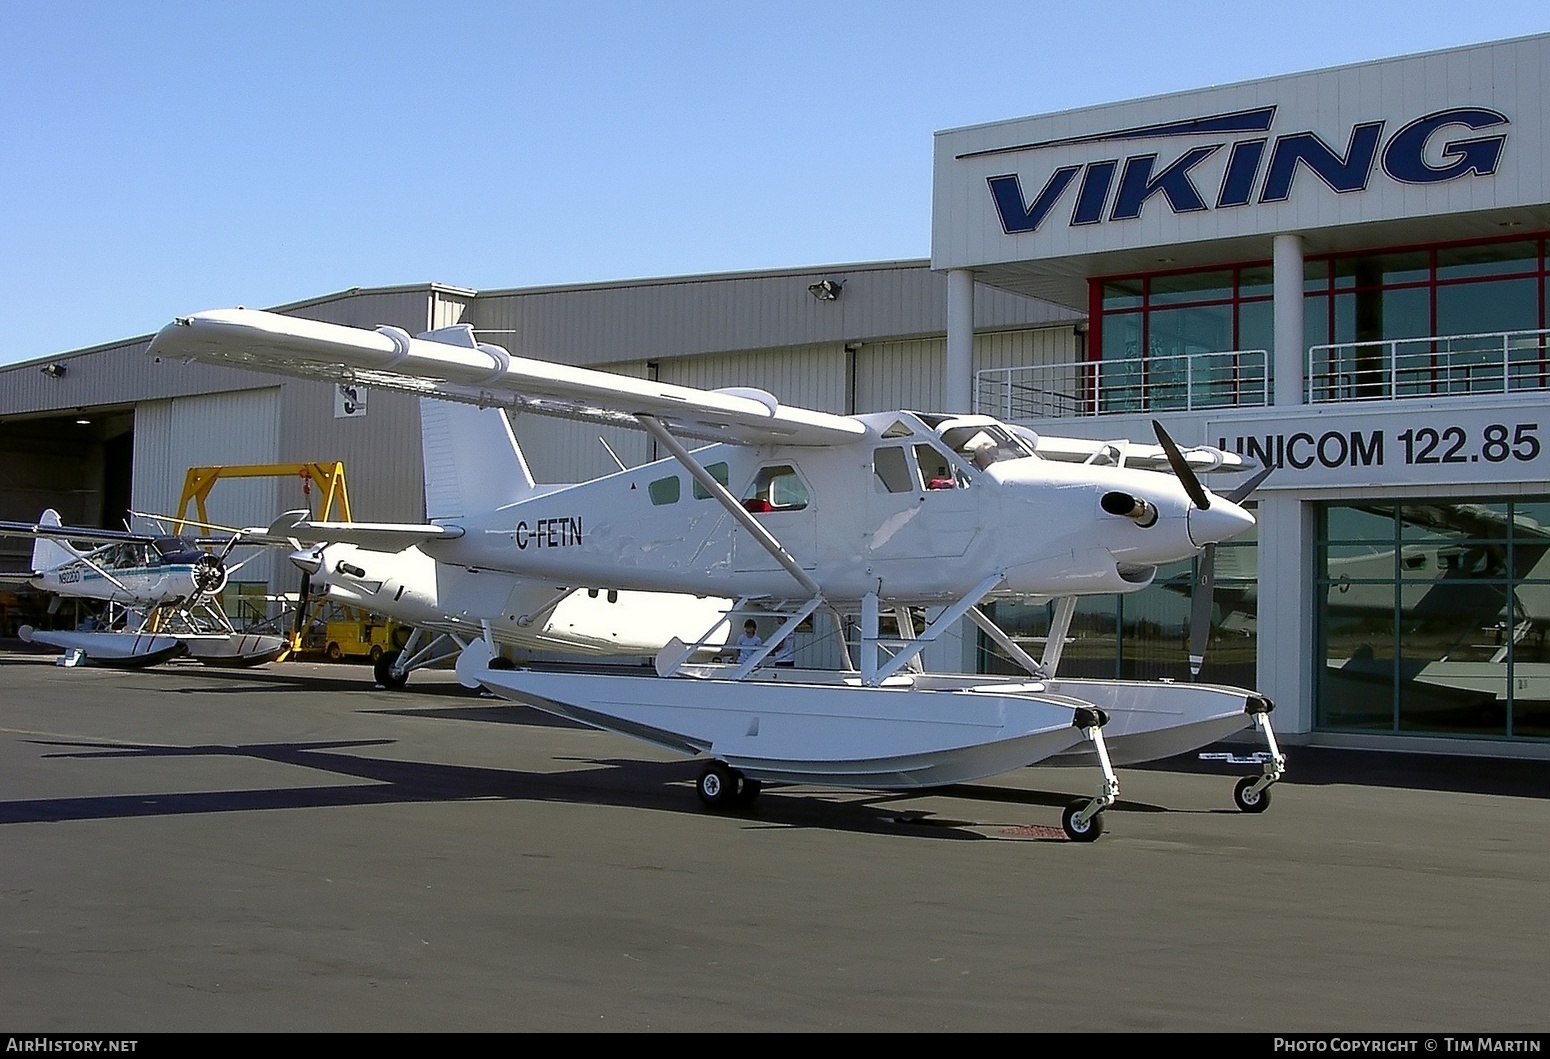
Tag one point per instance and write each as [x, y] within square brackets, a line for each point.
[749, 642]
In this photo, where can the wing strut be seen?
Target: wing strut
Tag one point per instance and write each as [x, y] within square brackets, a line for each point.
[727, 500]
[1006, 643]
[873, 673]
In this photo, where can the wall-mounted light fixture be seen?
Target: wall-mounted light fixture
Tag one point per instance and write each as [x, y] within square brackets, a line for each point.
[54, 371]
[827, 290]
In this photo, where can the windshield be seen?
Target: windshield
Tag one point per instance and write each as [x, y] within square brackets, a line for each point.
[985, 443]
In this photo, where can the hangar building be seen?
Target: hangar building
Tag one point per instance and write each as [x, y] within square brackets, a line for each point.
[1339, 273]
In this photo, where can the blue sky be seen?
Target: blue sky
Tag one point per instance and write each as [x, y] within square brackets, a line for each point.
[164, 158]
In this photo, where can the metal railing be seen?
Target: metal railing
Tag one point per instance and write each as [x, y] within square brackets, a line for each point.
[1234, 379]
[1493, 362]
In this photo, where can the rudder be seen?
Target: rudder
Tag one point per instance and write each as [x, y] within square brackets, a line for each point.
[472, 460]
[47, 552]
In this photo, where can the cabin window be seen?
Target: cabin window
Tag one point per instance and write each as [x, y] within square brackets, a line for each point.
[935, 469]
[717, 471]
[891, 471]
[777, 488]
[664, 490]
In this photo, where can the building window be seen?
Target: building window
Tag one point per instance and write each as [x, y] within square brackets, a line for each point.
[1152, 332]
[1148, 329]
[1433, 617]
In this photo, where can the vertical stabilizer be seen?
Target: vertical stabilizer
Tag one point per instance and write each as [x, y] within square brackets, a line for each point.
[47, 552]
[472, 461]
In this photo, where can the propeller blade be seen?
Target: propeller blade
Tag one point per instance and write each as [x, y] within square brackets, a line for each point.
[303, 600]
[1201, 603]
[1186, 474]
[1240, 494]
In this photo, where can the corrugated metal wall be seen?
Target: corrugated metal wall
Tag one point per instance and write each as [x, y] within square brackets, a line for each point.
[748, 312]
[220, 429]
[888, 375]
[909, 374]
[380, 450]
[816, 377]
[891, 375]
[563, 450]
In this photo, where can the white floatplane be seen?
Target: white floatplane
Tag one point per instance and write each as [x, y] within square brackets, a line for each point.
[805, 513]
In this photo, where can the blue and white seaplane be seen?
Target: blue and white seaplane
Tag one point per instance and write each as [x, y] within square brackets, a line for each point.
[802, 513]
[159, 589]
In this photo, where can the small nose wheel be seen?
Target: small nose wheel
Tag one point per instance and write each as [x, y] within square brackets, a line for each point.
[1246, 798]
[1078, 829]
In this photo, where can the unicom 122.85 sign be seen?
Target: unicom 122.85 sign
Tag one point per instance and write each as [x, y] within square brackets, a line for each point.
[1435, 148]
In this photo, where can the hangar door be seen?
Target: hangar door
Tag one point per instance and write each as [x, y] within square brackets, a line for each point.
[220, 429]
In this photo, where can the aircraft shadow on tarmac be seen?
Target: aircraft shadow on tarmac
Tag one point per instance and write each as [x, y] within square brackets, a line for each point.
[666, 786]
[1321, 766]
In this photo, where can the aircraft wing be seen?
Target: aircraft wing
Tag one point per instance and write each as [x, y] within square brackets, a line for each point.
[1201, 458]
[456, 367]
[72, 533]
[91, 534]
[1467, 520]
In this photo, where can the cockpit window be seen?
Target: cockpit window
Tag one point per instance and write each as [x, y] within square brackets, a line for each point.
[984, 443]
[776, 488]
[936, 470]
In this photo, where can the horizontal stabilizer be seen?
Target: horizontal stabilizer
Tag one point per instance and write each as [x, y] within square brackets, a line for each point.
[377, 536]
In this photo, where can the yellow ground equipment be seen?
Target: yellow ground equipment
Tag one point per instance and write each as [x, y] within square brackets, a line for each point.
[329, 478]
[356, 636]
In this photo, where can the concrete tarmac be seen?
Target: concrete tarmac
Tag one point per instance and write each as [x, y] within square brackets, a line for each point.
[287, 849]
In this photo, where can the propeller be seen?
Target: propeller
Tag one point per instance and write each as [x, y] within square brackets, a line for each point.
[1202, 595]
[1186, 474]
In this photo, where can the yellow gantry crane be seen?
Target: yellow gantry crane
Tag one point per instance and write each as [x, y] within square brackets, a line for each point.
[328, 477]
